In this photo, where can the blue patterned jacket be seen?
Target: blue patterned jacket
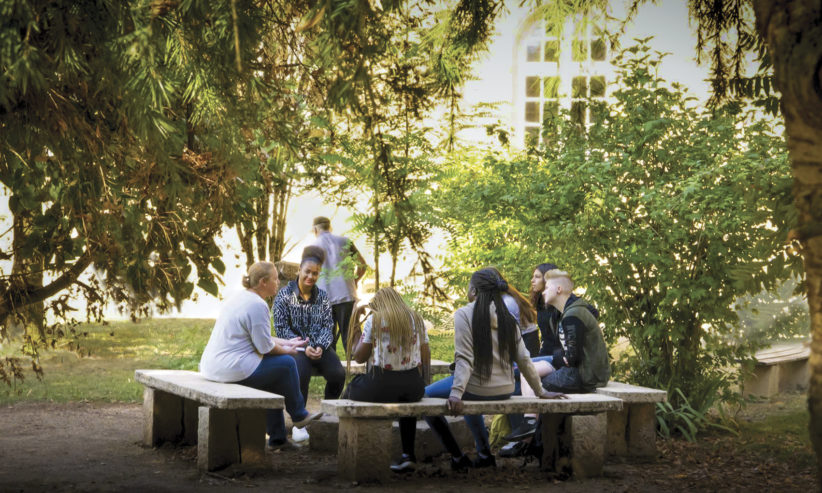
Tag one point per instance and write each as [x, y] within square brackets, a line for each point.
[296, 317]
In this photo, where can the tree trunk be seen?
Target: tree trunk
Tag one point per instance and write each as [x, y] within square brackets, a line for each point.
[792, 30]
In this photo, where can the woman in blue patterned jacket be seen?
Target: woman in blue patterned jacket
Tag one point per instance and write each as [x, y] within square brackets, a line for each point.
[301, 309]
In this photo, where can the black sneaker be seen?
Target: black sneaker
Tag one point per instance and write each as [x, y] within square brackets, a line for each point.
[484, 461]
[461, 463]
[525, 430]
[407, 463]
[513, 449]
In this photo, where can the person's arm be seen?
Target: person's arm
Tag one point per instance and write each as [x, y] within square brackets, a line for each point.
[320, 335]
[363, 342]
[359, 260]
[463, 354]
[574, 332]
[259, 328]
[425, 355]
[282, 318]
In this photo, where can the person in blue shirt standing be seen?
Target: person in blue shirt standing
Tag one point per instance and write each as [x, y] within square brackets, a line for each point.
[341, 271]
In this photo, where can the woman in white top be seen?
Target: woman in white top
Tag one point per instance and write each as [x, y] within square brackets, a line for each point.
[241, 349]
[394, 342]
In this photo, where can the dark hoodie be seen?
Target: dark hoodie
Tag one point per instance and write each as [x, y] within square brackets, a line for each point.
[548, 320]
[582, 344]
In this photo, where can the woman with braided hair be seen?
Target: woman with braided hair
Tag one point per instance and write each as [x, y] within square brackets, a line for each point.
[487, 343]
[394, 342]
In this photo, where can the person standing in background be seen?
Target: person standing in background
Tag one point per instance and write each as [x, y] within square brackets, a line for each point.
[343, 268]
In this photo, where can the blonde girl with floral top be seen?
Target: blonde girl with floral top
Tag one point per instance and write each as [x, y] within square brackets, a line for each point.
[394, 342]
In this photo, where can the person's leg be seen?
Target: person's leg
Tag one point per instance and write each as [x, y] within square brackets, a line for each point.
[342, 316]
[278, 374]
[332, 370]
[440, 388]
[411, 389]
[305, 367]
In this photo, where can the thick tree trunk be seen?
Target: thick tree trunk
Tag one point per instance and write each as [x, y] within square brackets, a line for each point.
[792, 30]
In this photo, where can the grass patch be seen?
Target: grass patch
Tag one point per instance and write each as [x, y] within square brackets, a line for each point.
[102, 369]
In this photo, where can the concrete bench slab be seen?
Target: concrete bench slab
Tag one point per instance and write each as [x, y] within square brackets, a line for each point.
[779, 368]
[574, 430]
[632, 430]
[225, 421]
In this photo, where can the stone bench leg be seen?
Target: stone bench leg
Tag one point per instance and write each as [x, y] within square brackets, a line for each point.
[228, 437]
[168, 418]
[641, 430]
[617, 443]
[574, 444]
[364, 449]
[764, 382]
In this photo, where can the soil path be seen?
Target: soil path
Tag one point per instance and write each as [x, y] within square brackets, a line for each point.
[96, 447]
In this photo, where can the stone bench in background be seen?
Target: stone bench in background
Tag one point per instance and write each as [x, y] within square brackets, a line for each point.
[574, 430]
[226, 421]
[779, 368]
[632, 430]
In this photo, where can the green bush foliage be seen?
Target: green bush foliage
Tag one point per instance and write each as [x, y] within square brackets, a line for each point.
[664, 213]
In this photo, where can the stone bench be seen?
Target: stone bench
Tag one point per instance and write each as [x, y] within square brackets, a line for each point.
[632, 430]
[574, 430]
[226, 421]
[780, 368]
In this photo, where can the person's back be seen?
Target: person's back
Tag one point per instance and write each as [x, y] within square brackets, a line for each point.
[337, 276]
[500, 380]
[394, 342]
[594, 369]
[231, 354]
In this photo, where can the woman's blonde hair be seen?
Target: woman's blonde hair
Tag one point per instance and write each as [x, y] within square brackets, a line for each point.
[256, 273]
[388, 309]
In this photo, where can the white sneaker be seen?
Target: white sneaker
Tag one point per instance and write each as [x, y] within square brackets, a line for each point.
[299, 434]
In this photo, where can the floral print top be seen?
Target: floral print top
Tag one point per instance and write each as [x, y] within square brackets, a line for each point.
[390, 357]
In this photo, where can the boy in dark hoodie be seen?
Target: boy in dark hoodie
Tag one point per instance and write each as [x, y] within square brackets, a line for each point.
[579, 364]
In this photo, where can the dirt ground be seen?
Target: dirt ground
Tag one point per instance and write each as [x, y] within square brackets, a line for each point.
[96, 447]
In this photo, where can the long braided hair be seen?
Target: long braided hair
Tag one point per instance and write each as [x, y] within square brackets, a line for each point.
[388, 309]
[489, 287]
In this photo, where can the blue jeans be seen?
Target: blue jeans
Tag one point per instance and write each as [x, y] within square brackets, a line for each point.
[475, 422]
[278, 374]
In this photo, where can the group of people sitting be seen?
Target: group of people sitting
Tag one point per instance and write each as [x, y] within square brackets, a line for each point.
[496, 346]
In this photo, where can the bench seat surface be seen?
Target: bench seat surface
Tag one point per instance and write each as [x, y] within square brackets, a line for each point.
[575, 404]
[783, 353]
[191, 385]
[633, 394]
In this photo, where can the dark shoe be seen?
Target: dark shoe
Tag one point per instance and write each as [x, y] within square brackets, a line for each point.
[280, 446]
[484, 460]
[407, 463]
[525, 430]
[513, 449]
[311, 417]
[461, 463]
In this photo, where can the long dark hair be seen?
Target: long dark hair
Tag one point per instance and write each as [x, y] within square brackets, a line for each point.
[489, 287]
[536, 297]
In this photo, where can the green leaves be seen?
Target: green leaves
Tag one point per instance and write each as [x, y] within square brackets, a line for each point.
[664, 215]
